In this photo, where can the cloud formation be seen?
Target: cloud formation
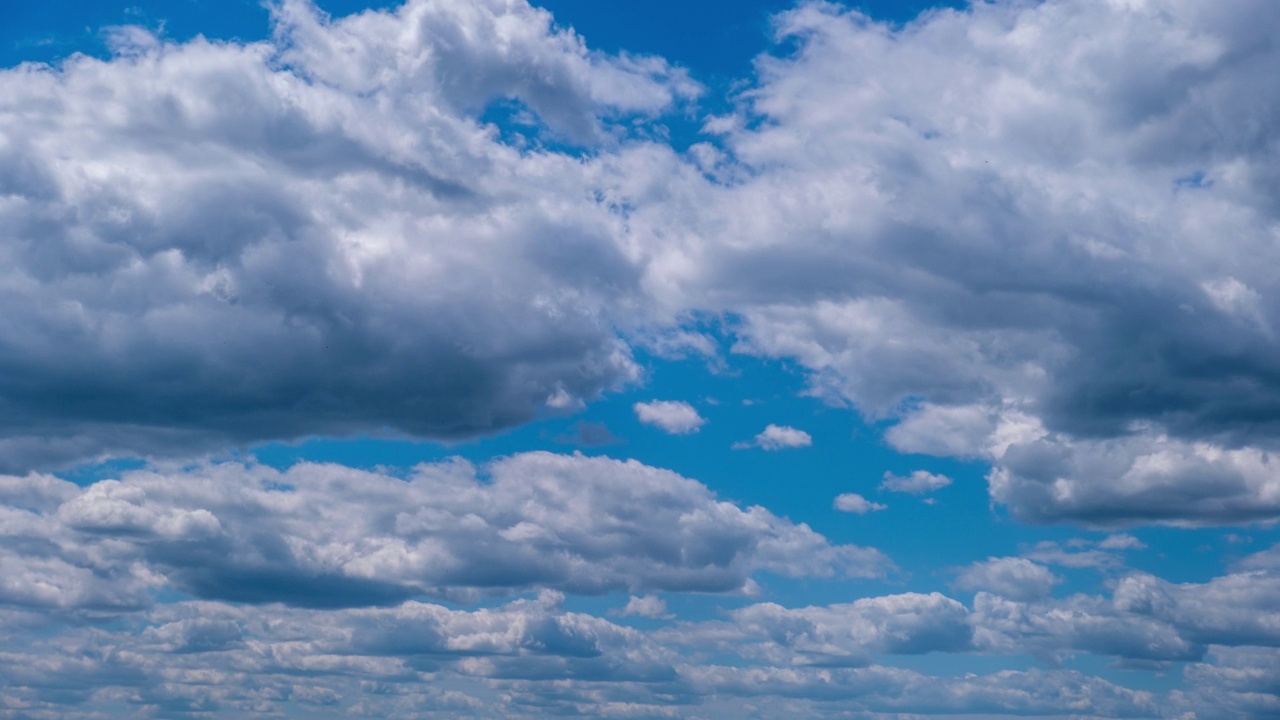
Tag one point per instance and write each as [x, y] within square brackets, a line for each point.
[856, 504]
[1043, 253]
[211, 243]
[918, 482]
[675, 417]
[1054, 267]
[330, 536]
[778, 437]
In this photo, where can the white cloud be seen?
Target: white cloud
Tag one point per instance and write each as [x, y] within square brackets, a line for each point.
[1121, 541]
[918, 482]
[1014, 578]
[1001, 250]
[856, 504]
[675, 417]
[1140, 478]
[986, 253]
[649, 606]
[227, 242]
[778, 437]
[332, 536]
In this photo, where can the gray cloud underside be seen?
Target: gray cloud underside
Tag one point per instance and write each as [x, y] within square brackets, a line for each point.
[1037, 234]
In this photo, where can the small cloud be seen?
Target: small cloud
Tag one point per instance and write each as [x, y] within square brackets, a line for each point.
[675, 417]
[1050, 553]
[563, 401]
[649, 606]
[856, 504]
[588, 434]
[1010, 577]
[1122, 541]
[917, 483]
[778, 437]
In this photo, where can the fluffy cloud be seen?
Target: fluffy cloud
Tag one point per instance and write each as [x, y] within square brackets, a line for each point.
[1015, 578]
[218, 242]
[1022, 229]
[1057, 266]
[849, 634]
[917, 483]
[675, 417]
[778, 437]
[856, 504]
[331, 536]
[650, 606]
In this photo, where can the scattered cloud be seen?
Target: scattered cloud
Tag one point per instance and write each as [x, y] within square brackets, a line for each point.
[649, 606]
[856, 504]
[675, 417]
[917, 483]
[1010, 577]
[778, 437]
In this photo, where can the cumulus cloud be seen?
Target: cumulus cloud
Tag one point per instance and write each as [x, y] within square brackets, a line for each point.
[331, 536]
[847, 634]
[1003, 256]
[778, 437]
[675, 417]
[856, 504]
[917, 483]
[1015, 578]
[1044, 265]
[649, 606]
[223, 242]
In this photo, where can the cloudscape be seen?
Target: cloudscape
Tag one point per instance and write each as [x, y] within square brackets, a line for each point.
[760, 359]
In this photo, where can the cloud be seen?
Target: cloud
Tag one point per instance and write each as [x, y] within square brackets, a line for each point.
[316, 234]
[648, 606]
[1140, 478]
[998, 258]
[778, 437]
[917, 483]
[856, 504]
[331, 536]
[1121, 541]
[588, 434]
[848, 634]
[1014, 578]
[675, 417]
[1001, 256]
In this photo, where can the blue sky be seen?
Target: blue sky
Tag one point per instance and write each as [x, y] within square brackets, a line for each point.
[478, 358]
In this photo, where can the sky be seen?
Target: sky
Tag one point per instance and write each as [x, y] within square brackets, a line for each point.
[752, 359]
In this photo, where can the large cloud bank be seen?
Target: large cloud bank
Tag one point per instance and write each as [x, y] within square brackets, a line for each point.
[1038, 234]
